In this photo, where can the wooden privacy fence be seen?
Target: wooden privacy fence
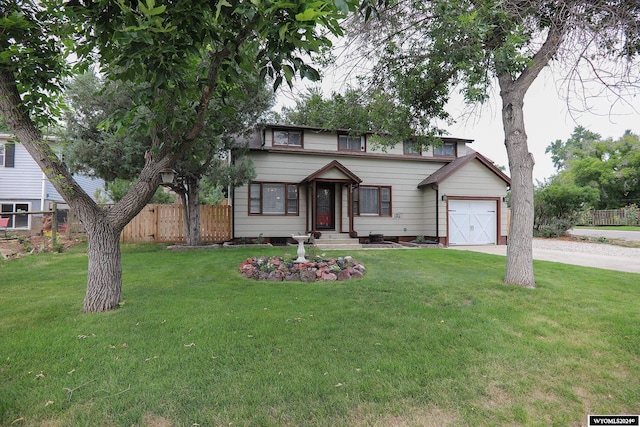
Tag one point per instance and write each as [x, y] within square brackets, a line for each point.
[611, 217]
[163, 223]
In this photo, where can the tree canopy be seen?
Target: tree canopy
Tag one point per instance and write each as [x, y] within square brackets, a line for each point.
[422, 51]
[609, 167]
[177, 55]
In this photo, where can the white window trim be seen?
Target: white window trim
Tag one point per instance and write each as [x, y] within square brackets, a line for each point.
[13, 222]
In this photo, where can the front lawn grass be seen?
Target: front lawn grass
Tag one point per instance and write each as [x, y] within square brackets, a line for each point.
[609, 227]
[428, 337]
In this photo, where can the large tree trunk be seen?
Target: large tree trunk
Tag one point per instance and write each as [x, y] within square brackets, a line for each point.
[104, 276]
[520, 245]
[512, 91]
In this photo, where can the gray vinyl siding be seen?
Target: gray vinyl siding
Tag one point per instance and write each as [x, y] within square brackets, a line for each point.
[320, 141]
[272, 167]
[89, 185]
[397, 150]
[24, 181]
[408, 201]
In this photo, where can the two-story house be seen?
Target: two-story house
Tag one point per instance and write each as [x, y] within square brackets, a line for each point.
[25, 188]
[311, 180]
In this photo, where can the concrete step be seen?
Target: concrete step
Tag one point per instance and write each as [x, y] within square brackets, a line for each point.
[337, 241]
[335, 236]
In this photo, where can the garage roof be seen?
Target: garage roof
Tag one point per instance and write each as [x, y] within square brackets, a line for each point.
[449, 169]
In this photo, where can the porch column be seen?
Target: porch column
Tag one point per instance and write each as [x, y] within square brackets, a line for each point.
[313, 206]
[350, 207]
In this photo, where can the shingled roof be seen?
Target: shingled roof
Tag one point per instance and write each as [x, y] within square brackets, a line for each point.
[449, 169]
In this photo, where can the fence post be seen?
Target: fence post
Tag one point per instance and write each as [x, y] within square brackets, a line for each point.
[156, 223]
[54, 225]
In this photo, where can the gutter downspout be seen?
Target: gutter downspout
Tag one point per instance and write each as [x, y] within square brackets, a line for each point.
[43, 192]
[437, 214]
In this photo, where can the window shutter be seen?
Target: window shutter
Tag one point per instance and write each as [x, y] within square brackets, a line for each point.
[9, 155]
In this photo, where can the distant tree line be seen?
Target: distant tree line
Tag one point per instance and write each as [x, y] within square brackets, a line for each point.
[592, 173]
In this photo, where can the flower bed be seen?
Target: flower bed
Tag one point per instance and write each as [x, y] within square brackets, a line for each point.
[276, 269]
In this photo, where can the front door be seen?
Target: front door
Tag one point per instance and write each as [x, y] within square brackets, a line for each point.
[325, 206]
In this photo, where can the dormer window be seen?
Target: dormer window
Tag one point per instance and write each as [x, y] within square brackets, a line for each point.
[287, 138]
[446, 149]
[411, 148]
[351, 143]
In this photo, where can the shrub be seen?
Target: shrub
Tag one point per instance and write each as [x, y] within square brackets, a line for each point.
[556, 227]
[557, 207]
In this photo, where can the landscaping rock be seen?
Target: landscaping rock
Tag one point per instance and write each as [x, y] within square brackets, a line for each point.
[276, 269]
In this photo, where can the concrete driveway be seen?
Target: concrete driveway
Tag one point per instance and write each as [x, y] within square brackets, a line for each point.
[585, 254]
[609, 234]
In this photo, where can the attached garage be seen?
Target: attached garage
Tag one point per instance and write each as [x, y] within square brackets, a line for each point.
[472, 222]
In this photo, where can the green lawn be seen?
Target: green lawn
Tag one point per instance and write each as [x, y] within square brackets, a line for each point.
[427, 337]
[609, 227]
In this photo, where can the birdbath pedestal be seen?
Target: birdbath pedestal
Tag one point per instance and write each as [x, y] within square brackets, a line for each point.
[300, 239]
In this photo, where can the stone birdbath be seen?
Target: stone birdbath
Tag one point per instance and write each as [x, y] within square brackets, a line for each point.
[301, 239]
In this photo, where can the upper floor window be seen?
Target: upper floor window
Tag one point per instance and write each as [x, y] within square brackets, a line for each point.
[411, 148]
[289, 138]
[369, 200]
[446, 149]
[7, 154]
[351, 143]
[272, 198]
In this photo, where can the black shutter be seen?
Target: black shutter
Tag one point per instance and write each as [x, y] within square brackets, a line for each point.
[9, 155]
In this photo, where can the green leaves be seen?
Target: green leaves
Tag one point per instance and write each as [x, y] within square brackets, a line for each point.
[150, 9]
[609, 167]
[31, 52]
[219, 6]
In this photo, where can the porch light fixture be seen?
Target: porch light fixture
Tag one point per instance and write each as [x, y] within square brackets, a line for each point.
[168, 176]
[504, 199]
[444, 197]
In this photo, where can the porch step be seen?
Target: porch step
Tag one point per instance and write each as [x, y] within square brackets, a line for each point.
[337, 241]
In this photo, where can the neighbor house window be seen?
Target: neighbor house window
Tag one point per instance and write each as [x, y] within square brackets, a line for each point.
[372, 201]
[269, 198]
[351, 143]
[19, 220]
[411, 148]
[446, 149]
[7, 155]
[289, 138]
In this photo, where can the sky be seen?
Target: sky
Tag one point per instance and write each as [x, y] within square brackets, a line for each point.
[548, 112]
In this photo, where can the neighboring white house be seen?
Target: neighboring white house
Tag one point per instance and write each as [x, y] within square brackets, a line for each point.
[25, 188]
[310, 180]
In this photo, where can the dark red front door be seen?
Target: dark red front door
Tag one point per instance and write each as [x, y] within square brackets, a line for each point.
[325, 207]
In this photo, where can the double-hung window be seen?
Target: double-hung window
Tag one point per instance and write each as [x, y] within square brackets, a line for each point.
[288, 138]
[371, 201]
[351, 143]
[272, 198]
[446, 149]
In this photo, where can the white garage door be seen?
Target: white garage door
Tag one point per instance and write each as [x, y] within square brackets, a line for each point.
[472, 222]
